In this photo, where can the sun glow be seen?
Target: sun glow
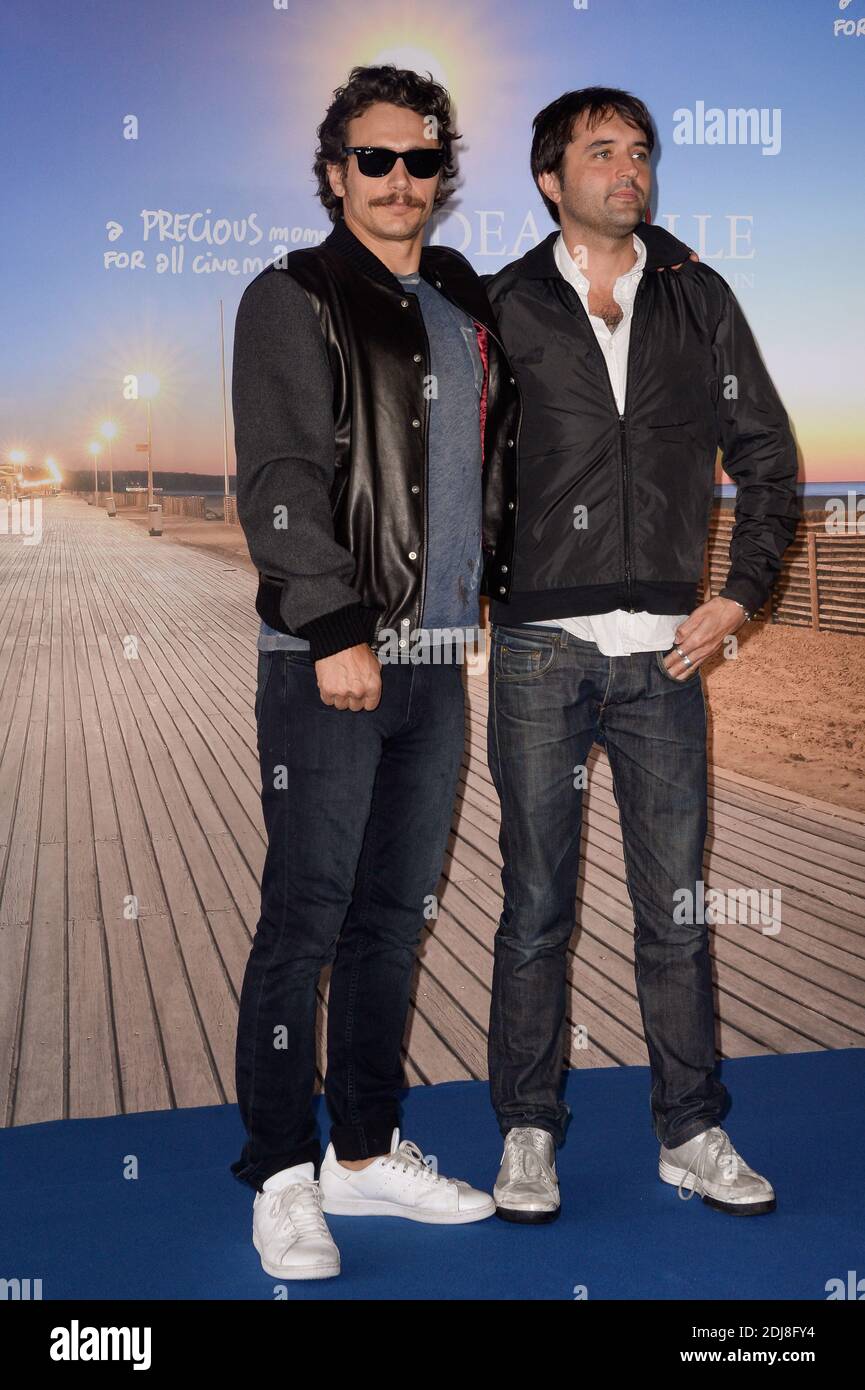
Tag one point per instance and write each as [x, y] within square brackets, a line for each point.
[456, 47]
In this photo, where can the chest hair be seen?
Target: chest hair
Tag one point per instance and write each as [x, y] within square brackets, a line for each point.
[605, 307]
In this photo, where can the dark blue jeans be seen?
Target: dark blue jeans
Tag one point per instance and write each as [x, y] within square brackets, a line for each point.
[357, 807]
[551, 696]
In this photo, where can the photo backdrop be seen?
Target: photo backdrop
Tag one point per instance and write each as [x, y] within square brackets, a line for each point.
[157, 155]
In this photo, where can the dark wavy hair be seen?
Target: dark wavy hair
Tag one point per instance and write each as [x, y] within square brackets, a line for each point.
[399, 87]
[554, 126]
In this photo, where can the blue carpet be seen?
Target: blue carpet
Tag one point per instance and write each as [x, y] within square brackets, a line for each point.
[182, 1229]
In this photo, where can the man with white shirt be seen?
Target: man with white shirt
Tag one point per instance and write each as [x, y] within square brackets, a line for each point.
[621, 631]
[631, 380]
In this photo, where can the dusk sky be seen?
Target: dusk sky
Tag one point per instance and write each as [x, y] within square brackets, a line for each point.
[227, 95]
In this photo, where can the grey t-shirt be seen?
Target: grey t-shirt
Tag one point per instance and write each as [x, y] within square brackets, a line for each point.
[453, 562]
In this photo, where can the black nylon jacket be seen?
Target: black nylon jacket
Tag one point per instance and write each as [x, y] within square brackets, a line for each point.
[346, 453]
[695, 383]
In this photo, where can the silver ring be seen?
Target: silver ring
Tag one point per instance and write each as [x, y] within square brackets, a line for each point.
[687, 660]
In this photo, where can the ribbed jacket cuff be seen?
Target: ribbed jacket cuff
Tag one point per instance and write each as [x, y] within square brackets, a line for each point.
[351, 626]
[744, 590]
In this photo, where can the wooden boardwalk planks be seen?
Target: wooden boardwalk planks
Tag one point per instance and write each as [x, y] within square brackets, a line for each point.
[131, 845]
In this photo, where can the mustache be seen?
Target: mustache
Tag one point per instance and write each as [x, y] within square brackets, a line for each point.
[396, 198]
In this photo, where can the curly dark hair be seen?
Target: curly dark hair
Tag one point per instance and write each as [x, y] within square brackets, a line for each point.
[553, 127]
[399, 87]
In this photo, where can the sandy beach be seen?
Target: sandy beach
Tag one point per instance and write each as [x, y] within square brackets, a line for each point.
[790, 709]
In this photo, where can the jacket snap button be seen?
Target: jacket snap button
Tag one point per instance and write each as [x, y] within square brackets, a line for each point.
[502, 590]
[511, 380]
[405, 622]
[510, 506]
[402, 643]
[403, 304]
[417, 357]
[510, 443]
[504, 569]
[415, 487]
[412, 555]
[416, 423]
[438, 284]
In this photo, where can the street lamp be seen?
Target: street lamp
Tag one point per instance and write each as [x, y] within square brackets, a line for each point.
[95, 449]
[148, 387]
[108, 430]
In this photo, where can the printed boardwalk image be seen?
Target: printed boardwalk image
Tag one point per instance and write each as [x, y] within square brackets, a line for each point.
[131, 844]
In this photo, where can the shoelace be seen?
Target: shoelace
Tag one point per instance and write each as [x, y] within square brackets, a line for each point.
[409, 1159]
[523, 1145]
[297, 1207]
[719, 1145]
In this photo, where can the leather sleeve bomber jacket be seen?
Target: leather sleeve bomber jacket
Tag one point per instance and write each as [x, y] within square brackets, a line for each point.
[695, 384]
[331, 417]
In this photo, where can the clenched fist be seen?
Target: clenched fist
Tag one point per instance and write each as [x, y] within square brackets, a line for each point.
[350, 679]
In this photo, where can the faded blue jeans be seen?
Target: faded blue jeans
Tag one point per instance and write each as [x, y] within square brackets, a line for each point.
[551, 696]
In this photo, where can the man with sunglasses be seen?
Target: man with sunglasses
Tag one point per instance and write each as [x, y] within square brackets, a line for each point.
[375, 418]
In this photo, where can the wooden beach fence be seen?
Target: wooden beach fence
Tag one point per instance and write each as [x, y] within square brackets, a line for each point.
[822, 580]
[171, 506]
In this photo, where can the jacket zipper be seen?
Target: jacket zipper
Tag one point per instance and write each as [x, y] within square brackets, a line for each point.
[622, 419]
[623, 449]
[623, 454]
[623, 439]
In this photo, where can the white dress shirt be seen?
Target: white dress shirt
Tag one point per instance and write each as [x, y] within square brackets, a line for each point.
[617, 633]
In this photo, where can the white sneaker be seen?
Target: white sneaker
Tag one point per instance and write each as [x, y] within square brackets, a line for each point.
[400, 1184]
[288, 1229]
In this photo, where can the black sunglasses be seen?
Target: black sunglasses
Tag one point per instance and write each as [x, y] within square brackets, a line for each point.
[374, 161]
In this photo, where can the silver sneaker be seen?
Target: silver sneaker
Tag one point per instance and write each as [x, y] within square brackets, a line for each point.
[527, 1188]
[708, 1164]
